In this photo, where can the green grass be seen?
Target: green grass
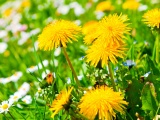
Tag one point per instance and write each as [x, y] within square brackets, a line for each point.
[141, 92]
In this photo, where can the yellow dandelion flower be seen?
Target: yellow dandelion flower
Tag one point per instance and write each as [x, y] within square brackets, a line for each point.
[88, 29]
[89, 26]
[61, 100]
[104, 6]
[101, 101]
[131, 5]
[8, 12]
[111, 28]
[152, 18]
[58, 33]
[103, 53]
[25, 3]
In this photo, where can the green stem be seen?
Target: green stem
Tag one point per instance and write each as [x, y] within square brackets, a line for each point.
[157, 112]
[157, 48]
[155, 54]
[111, 76]
[70, 65]
[129, 115]
[5, 116]
[11, 115]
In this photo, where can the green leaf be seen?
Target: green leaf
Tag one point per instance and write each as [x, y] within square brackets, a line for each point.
[148, 101]
[133, 97]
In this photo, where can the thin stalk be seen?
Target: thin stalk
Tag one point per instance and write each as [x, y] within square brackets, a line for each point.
[70, 65]
[11, 115]
[20, 114]
[157, 49]
[129, 115]
[157, 112]
[5, 116]
[45, 108]
[111, 76]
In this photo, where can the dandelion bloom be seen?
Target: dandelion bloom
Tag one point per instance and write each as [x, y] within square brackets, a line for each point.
[111, 28]
[25, 3]
[101, 101]
[88, 29]
[105, 52]
[152, 18]
[104, 6]
[8, 12]
[131, 5]
[58, 33]
[61, 100]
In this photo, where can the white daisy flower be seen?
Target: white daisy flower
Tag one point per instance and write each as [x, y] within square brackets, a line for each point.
[78, 10]
[55, 62]
[25, 87]
[32, 69]
[15, 77]
[15, 97]
[27, 99]
[39, 92]
[3, 33]
[99, 14]
[142, 7]
[57, 51]
[5, 80]
[45, 63]
[3, 47]
[63, 9]
[4, 107]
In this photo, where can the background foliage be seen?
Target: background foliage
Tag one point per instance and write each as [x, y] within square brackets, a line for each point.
[138, 77]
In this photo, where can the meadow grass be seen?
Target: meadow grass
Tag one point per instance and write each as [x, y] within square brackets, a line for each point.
[116, 79]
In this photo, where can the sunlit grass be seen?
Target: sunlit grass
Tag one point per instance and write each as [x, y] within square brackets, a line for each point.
[34, 81]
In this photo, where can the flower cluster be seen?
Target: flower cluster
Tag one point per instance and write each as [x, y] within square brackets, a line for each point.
[14, 78]
[22, 91]
[101, 101]
[32, 69]
[107, 40]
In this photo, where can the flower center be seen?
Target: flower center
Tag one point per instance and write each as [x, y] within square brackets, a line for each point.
[15, 97]
[16, 74]
[5, 106]
[110, 28]
[32, 67]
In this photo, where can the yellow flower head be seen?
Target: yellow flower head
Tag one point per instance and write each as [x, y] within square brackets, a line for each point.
[110, 29]
[101, 101]
[152, 18]
[8, 12]
[104, 6]
[113, 28]
[58, 33]
[89, 29]
[61, 100]
[89, 26]
[25, 3]
[131, 5]
[105, 52]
